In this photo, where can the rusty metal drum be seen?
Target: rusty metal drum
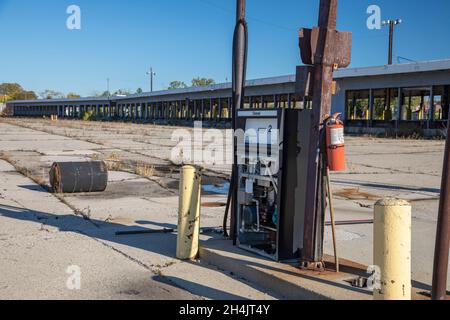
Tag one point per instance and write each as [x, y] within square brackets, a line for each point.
[78, 177]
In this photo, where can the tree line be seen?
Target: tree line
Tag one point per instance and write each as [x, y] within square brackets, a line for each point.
[14, 91]
[196, 82]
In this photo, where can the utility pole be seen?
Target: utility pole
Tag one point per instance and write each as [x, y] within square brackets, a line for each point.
[107, 87]
[151, 74]
[391, 24]
[440, 269]
[323, 49]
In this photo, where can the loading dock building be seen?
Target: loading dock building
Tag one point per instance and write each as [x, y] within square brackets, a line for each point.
[412, 96]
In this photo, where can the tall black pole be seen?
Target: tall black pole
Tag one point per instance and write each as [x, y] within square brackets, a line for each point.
[238, 86]
[440, 269]
[151, 79]
[239, 57]
[391, 24]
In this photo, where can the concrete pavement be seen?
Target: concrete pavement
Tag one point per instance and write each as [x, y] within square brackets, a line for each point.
[408, 169]
[42, 236]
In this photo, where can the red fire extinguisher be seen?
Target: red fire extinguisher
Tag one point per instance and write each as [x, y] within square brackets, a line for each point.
[335, 143]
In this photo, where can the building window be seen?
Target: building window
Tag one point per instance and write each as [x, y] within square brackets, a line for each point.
[247, 104]
[441, 102]
[385, 104]
[357, 105]
[415, 104]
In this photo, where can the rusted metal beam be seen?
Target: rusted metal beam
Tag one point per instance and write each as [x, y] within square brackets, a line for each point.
[440, 269]
[328, 14]
[325, 49]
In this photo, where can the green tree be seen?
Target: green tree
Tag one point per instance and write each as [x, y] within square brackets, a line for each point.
[122, 92]
[10, 89]
[25, 95]
[5, 98]
[103, 94]
[139, 91]
[14, 91]
[177, 85]
[201, 82]
[51, 94]
[72, 95]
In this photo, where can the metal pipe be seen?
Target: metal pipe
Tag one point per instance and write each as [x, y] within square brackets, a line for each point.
[333, 224]
[138, 232]
[349, 222]
[240, 43]
[440, 268]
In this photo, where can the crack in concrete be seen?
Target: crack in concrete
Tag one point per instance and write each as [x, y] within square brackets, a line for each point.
[393, 169]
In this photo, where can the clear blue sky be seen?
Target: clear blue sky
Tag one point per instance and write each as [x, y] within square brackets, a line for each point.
[183, 39]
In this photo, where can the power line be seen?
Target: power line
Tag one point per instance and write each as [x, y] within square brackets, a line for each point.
[249, 17]
[399, 58]
[262, 21]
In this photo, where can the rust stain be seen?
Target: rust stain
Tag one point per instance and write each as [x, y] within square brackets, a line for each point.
[213, 204]
[355, 194]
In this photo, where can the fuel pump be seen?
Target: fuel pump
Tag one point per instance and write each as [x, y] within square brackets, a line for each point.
[278, 188]
[272, 146]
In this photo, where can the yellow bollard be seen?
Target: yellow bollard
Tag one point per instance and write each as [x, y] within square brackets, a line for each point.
[189, 213]
[392, 249]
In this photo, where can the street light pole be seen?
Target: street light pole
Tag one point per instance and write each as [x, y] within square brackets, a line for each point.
[391, 24]
[151, 74]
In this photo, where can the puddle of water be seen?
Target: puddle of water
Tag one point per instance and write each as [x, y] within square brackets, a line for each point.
[217, 188]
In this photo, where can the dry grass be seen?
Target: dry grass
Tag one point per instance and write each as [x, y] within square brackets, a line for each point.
[145, 170]
[114, 162]
[24, 171]
[5, 156]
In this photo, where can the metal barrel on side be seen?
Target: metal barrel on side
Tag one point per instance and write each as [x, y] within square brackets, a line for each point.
[77, 177]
